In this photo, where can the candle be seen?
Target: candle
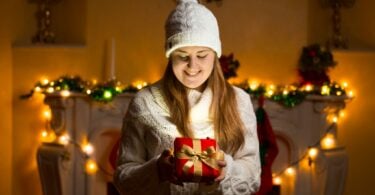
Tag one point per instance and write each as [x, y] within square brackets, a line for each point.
[111, 59]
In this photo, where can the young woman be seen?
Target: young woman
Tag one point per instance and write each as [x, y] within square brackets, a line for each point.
[191, 100]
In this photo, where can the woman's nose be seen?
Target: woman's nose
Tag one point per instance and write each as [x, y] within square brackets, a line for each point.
[192, 62]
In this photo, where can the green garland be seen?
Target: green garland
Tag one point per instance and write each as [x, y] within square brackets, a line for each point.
[288, 96]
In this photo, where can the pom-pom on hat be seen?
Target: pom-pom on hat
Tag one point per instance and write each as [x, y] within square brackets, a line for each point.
[191, 24]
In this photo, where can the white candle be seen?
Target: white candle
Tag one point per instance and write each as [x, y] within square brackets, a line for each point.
[112, 57]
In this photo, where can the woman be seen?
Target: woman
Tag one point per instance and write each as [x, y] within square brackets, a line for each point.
[191, 100]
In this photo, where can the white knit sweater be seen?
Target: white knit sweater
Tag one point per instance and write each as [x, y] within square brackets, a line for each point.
[147, 131]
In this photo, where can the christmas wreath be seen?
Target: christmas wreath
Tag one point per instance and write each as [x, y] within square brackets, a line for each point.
[314, 63]
[229, 65]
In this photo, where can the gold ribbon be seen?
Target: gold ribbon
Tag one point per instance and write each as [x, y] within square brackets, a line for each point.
[196, 157]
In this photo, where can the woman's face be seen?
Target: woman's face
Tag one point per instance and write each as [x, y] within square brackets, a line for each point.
[192, 65]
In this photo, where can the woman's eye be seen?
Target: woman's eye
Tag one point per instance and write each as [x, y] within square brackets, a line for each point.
[183, 58]
[202, 56]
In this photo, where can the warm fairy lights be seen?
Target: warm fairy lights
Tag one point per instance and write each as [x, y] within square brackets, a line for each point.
[65, 93]
[289, 95]
[91, 167]
[325, 90]
[313, 153]
[328, 141]
[47, 136]
[276, 181]
[139, 84]
[88, 149]
[64, 139]
[47, 114]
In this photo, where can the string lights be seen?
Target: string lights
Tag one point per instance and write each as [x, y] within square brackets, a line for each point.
[288, 95]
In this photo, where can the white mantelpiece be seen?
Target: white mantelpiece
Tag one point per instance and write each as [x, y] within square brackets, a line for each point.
[295, 128]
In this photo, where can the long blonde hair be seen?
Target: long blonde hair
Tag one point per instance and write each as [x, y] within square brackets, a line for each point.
[229, 130]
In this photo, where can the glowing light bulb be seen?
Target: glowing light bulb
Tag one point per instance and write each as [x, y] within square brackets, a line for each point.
[47, 114]
[65, 93]
[338, 93]
[253, 85]
[88, 149]
[325, 90]
[290, 171]
[45, 81]
[47, 137]
[139, 84]
[107, 94]
[276, 180]
[342, 114]
[88, 92]
[91, 166]
[344, 84]
[350, 94]
[94, 81]
[308, 87]
[50, 90]
[313, 152]
[285, 92]
[335, 119]
[37, 89]
[64, 139]
[118, 89]
[328, 142]
[269, 93]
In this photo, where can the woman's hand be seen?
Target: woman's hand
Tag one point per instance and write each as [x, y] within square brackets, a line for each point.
[166, 167]
[222, 164]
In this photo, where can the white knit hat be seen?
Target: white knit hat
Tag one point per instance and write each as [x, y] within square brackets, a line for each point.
[191, 24]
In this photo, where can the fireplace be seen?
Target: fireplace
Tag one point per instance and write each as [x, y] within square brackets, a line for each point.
[62, 167]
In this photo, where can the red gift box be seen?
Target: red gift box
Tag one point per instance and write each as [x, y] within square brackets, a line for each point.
[196, 160]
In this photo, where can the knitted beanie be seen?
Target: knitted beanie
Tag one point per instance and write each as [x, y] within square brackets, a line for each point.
[191, 24]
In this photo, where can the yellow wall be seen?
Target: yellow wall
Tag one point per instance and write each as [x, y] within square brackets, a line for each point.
[356, 132]
[357, 66]
[5, 101]
[254, 31]
[265, 36]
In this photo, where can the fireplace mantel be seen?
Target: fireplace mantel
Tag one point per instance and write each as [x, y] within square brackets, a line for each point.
[295, 128]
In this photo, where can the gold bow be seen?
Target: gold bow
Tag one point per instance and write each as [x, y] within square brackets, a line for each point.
[196, 156]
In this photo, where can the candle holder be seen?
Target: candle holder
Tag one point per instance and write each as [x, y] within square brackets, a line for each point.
[44, 33]
[337, 40]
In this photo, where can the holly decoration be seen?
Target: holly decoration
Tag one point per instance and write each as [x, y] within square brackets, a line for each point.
[229, 65]
[102, 92]
[314, 63]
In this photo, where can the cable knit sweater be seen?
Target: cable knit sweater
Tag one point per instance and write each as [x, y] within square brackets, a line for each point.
[147, 131]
